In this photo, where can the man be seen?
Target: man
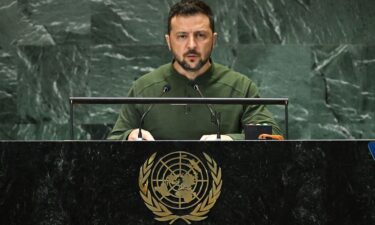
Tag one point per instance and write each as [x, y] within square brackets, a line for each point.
[191, 37]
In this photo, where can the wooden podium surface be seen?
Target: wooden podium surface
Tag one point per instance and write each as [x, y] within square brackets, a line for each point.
[242, 182]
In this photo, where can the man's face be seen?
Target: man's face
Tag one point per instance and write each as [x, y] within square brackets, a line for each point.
[191, 41]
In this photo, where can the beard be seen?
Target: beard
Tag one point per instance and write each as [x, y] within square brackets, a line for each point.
[189, 68]
[196, 68]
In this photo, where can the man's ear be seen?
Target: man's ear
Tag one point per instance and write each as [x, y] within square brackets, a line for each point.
[167, 39]
[214, 38]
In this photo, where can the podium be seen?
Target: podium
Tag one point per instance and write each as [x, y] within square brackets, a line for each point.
[251, 182]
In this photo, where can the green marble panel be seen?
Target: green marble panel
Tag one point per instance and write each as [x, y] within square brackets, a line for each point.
[8, 131]
[225, 54]
[8, 87]
[15, 28]
[368, 21]
[113, 68]
[128, 22]
[145, 22]
[63, 22]
[8, 95]
[226, 16]
[343, 91]
[47, 77]
[281, 71]
[305, 21]
[319, 53]
[48, 131]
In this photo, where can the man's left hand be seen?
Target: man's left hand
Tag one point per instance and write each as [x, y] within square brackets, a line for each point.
[213, 137]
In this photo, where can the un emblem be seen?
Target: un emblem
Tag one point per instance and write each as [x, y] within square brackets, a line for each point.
[179, 186]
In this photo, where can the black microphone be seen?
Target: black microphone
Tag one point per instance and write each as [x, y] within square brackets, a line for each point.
[215, 116]
[166, 89]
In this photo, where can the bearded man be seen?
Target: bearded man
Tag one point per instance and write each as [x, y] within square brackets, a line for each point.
[191, 37]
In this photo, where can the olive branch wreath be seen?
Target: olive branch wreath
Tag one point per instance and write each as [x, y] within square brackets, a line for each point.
[162, 212]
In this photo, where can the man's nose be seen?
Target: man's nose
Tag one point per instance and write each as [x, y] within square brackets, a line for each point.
[192, 42]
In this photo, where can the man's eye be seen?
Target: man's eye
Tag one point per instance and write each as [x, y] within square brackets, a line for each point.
[181, 36]
[201, 35]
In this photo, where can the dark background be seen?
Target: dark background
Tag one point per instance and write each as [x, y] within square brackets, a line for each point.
[96, 182]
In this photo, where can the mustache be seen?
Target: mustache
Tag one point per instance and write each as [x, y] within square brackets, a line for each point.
[192, 52]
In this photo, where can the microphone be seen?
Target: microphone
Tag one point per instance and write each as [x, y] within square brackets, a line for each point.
[166, 89]
[215, 116]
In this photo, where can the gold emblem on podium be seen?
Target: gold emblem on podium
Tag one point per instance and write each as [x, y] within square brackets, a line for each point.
[179, 186]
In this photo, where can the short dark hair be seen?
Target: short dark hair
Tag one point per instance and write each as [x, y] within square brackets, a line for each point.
[189, 8]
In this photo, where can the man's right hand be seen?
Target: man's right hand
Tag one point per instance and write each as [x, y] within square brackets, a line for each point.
[146, 136]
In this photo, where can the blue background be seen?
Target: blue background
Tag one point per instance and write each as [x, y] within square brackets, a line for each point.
[371, 146]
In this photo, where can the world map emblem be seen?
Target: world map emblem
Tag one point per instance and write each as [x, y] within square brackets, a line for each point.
[180, 185]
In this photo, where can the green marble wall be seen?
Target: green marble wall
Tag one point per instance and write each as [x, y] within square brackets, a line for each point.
[320, 54]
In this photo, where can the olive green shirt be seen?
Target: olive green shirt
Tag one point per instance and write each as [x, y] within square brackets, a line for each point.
[190, 122]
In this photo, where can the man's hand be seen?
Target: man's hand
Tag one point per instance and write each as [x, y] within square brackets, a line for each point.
[146, 136]
[213, 137]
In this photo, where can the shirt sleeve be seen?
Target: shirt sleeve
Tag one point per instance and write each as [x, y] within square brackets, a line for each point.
[255, 114]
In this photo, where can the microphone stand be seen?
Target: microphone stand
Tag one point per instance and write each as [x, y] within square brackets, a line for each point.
[218, 125]
[215, 116]
[140, 138]
[166, 88]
